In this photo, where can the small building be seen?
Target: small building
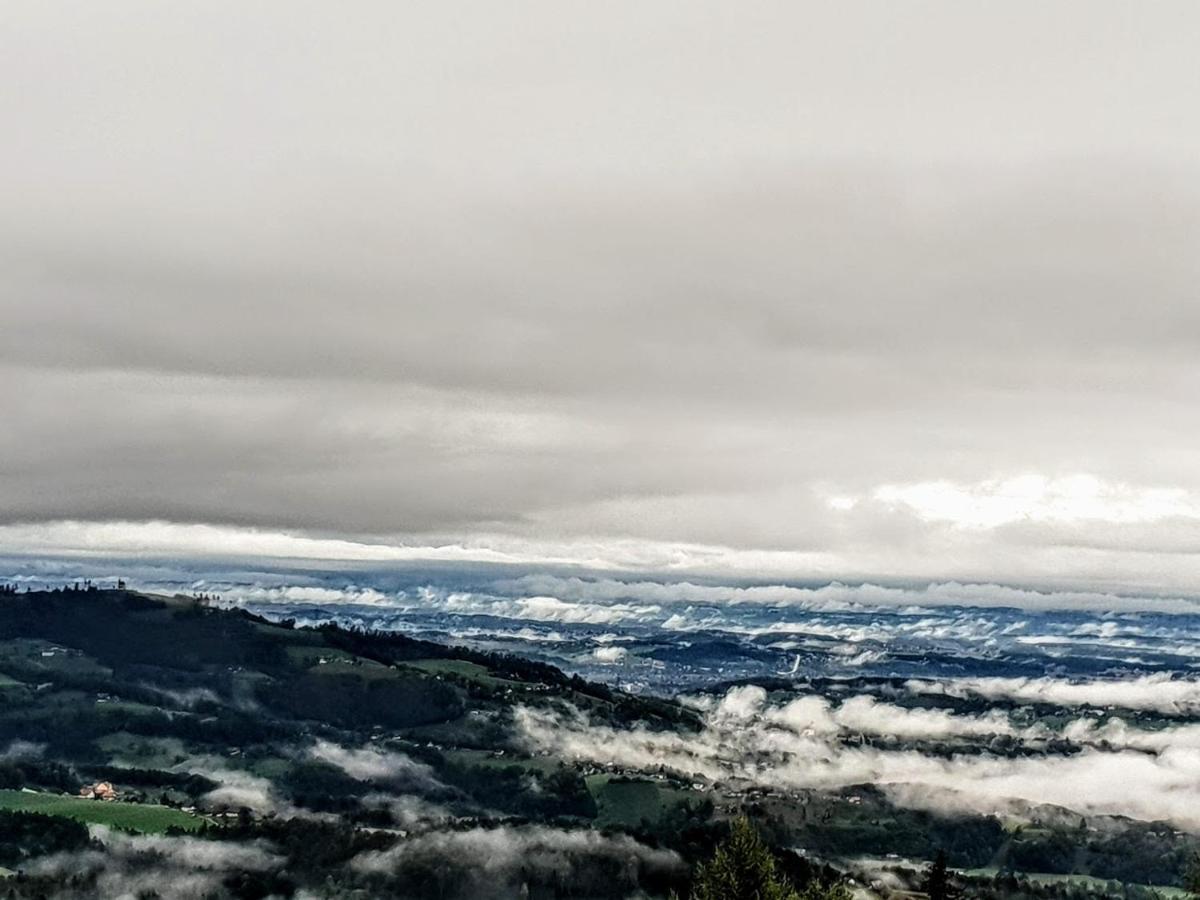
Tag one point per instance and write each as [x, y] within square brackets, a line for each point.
[101, 790]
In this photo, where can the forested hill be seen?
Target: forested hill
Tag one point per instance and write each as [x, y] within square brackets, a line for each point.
[167, 715]
[138, 646]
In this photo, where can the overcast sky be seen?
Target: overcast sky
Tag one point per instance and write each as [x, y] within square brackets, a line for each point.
[805, 290]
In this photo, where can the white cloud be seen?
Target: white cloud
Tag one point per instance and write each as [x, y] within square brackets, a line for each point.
[542, 608]
[1036, 498]
[665, 592]
[863, 714]
[800, 744]
[609, 654]
[1161, 692]
[375, 764]
[238, 788]
[671, 572]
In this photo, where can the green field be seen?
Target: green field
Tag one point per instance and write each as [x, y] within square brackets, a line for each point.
[36, 657]
[141, 817]
[486, 759]
[628, 803]
[338, 662]
[127, 707]
[310, 656]
[460, 667]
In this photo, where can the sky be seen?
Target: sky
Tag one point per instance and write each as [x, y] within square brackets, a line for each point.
[780, 290]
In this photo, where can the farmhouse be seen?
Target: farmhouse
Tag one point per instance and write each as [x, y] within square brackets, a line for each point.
[101, 790]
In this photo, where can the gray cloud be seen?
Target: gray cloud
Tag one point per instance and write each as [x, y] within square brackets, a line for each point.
[604, 273]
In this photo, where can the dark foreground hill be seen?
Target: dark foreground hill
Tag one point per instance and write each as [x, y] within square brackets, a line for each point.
[224, 661]
[318, 752]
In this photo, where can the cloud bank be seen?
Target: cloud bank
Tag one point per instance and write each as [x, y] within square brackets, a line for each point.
[806, 743]
[615, 298]
[1161, 692]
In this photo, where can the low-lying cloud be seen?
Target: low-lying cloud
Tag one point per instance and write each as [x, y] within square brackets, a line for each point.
[377, 765]
[802, 744]
[173, 868]
[1160, 692]
[503, 861]
[834, 595]
[238, 788]
[610, 654]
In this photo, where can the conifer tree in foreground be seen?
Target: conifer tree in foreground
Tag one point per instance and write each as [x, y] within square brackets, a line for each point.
[742, 868]
[937, 883]
[1191, 878]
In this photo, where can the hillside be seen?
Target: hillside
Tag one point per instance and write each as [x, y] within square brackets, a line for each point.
[220, 722]
[345, 763]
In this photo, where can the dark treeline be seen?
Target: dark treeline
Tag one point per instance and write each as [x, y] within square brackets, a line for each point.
[27, 835]
[391, 648]
[190, 636]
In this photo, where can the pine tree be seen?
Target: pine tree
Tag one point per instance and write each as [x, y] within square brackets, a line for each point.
[741, 869]
[1191, 878]
[937, 883]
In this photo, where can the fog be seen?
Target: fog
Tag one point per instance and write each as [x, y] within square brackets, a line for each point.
[810, 742]
[174, 868]
[497, 862]
[1162, 692]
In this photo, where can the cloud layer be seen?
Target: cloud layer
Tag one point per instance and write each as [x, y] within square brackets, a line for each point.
[1161, 692]
[570, 282]
[803, 743]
